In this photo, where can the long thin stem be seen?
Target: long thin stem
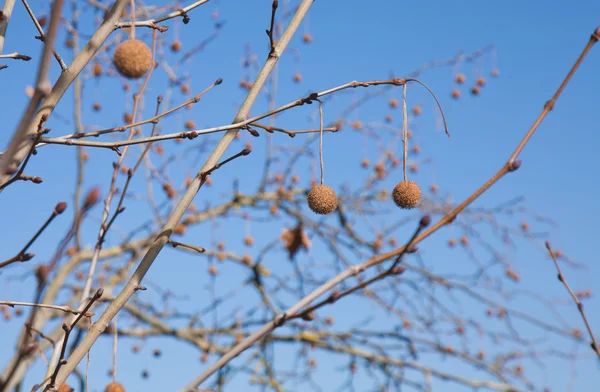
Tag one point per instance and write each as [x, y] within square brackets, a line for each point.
[321, 141]
[404, 130]
[564, 281]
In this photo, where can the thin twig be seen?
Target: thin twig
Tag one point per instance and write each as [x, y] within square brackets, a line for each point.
[562, 278]
[22, 255]
[270, 30]
[68, 329]
[42, 36]
[66, 309]
[152, 23]
[176, 244]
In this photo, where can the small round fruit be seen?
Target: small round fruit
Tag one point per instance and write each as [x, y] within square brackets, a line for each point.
[460, 78]
[176, 46]
[132, 59]
[65, 388]
[407, 194]
[481, 81]
[322, 199]
[114, 387]
[475, 90]
[189, 125]
[456, 93]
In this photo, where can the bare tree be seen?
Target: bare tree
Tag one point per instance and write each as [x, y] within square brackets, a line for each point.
[276, 295]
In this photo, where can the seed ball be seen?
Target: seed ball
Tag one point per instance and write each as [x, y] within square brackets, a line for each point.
[322, 199]
[460, 78]
[65, 388]
[114, 387]
[176, 46]
[407, 194]
[132, 59]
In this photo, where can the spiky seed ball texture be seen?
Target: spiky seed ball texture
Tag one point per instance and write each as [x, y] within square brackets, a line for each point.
[407, 194]
[132, 59]
[114, 387]
[322, 199]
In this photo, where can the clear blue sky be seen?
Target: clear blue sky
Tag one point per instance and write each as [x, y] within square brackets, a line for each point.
[536, 44]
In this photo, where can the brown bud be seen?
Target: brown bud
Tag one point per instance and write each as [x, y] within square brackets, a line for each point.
[60, 207]
[42, 272]
[170, 192]
[91, 198]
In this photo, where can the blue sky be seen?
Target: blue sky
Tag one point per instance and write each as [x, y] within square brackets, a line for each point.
[536, 43]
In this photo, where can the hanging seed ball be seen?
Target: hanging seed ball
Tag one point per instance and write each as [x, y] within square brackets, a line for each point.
[97, 70]
[481, 81]
[176, 46]
[407, 194]
[42, 20]
[417, 110]
[114, 387]
[297, 77]
[475, 90]
[460, 78]
[495, 73]
[394, 103]
[189, 125]
[388, 118]
[184, 88]
[307, 38]
[132, 59]
[455, 93]
[322, 199]
[357, 125]
[65, 388]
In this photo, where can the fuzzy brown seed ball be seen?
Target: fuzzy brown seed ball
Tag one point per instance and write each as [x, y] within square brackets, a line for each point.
[114, 387]
[132, 59]
[65, 388]
[407, 194]
[322, 199]
[176, 46]
[189, 125]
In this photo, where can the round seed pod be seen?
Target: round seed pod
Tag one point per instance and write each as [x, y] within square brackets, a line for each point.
[65, 388]
[114, 387]
[322, 199]
[407, 194]
[176, 46]
[132, 59]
